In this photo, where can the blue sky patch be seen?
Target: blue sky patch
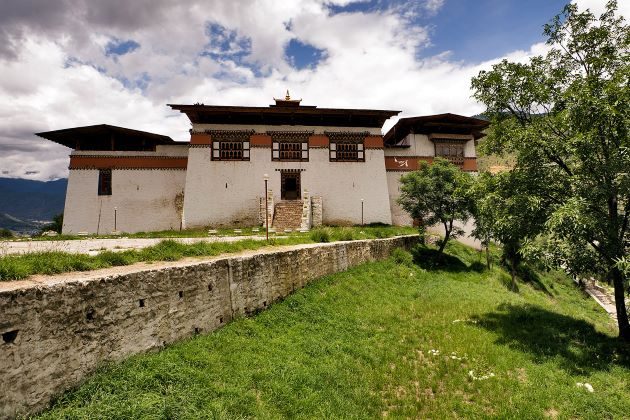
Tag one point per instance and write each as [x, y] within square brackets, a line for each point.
[301, 55]
[117, 47]
[226, 44]
[480, 30]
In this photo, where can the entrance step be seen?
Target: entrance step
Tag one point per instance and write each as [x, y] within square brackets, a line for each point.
[287, 215]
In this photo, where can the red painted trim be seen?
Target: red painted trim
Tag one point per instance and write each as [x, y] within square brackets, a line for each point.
[260, 140]
[411, 163]
[200, 138]
[374, 142]
[318, 140]
[128, 162]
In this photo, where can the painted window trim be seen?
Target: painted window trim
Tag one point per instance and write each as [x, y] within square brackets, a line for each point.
[276, 153]
[333, 150]
[215, 153]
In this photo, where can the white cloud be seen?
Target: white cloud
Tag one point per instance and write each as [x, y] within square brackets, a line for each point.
[58, 75]
[598, 6]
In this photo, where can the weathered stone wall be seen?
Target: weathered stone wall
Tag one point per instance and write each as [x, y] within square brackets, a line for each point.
[56, 332]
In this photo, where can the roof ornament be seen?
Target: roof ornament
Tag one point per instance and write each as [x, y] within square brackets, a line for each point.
[287, 101]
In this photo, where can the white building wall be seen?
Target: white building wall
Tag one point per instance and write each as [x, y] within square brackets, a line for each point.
[145, 201]
[227, 192]
[399, 216]
[419, 145]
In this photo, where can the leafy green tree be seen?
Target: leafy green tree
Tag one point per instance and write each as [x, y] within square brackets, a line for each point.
[5, 233]
[56, 225]
[505, 210]
[566, 116]
[436, 194]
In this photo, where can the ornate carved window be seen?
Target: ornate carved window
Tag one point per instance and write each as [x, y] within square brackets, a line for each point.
[346, 147]
[230, 145]
[453, 150]
[289, 146]
[105, 182]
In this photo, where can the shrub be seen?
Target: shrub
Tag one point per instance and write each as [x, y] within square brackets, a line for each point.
[346, 234]
[402, 257]
[5, 233]
[320, 235]
[477, 266]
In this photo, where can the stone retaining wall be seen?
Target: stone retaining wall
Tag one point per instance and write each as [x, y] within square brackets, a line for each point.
[55, 333]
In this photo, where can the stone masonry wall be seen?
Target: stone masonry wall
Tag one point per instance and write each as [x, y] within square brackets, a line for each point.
[56, 332]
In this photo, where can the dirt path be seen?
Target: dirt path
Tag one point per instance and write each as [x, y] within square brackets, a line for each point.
[94, 246]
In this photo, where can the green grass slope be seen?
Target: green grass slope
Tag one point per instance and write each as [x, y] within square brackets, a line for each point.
[384, 339]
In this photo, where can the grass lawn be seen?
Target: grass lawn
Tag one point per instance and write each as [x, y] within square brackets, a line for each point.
[384, 339]
[15, 267]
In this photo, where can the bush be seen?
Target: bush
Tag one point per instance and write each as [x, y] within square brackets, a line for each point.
[402, 257]
[320, 235]
[5, 233]
[477, 266]
[346, 234]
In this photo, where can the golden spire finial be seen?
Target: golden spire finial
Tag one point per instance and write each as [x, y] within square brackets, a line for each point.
[288, 97]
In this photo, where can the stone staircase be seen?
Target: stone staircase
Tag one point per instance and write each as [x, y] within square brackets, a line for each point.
[287, 215]
[601, 296]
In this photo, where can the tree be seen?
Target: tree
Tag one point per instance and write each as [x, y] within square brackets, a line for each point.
[56, 225]
[506, 211]
[436, 194]
[566, 116]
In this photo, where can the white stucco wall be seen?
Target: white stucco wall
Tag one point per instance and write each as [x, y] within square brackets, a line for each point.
[399, 216]
[145, 201]
[421, 145]
[227, 192]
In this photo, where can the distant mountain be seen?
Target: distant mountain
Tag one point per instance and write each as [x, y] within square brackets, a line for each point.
[26, 204]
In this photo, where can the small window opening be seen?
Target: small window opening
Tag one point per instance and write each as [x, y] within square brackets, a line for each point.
[141, 303]
[181, 294]
[105, 182]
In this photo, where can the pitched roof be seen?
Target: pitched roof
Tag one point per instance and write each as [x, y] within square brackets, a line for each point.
[439, 123]
[106, 137]
[284, 114]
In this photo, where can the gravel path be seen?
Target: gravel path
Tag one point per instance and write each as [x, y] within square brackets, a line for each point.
[94, 246]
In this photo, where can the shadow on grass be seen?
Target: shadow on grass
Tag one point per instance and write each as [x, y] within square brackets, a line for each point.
[431, 259]
[546, 335]
[528, 275]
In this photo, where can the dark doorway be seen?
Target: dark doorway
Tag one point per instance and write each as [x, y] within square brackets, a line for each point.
[290, 185]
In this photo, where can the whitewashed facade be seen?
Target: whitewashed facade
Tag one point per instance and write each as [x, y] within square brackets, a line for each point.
[130, 181]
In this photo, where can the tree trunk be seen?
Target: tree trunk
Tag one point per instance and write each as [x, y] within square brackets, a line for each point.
[447, 234]
[488, 255]
[620, 305]
[513, 273]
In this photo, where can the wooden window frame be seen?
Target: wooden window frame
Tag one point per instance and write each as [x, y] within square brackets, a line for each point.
[222, 147]
[104, 182]
[451, 150]
[334, 151]
[302, 150]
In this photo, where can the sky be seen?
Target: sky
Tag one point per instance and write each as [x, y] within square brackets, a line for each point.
[69, 63]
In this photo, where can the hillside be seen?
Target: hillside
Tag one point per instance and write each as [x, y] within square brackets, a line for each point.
[26, 204]
[386, 339]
